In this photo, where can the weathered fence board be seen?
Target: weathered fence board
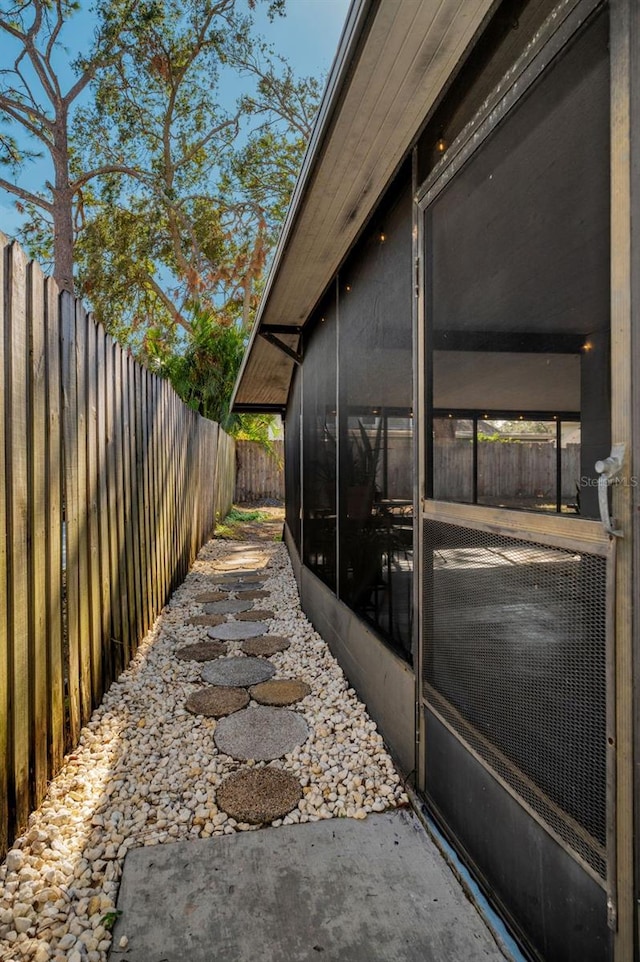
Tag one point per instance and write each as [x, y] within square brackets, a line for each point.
[103, 507]
[225, 471]
[37, 527]
[82, 560]
[53, 541]
[5, 736]
[17, 532]
[127, 431]
[108, 487]
[93, 531]
[133, 489]
[71, 514]
[115, 630]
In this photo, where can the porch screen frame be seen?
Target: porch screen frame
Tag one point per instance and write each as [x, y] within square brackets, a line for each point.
[559, 30]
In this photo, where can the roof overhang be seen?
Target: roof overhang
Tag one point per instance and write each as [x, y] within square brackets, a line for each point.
[393, 61]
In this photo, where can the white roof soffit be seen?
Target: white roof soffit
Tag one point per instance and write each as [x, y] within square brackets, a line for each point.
[394, 58]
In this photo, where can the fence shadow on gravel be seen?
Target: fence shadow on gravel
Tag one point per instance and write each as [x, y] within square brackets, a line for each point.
[109, 486]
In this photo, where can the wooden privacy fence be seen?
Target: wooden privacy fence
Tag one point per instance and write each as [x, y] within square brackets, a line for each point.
[505, 469]
[260, 473]
[109, 485]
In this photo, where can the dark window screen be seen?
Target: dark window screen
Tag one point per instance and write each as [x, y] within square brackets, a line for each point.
[516, 663]
[518, 267]
[319, 448]
[514, 634]
[292, 458]
[376, 450]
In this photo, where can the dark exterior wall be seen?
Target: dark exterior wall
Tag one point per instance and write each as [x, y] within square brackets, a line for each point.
[292, 447]
[383, 681]
[356, 377]
[319, 451]
[375, 397]
[355, 391]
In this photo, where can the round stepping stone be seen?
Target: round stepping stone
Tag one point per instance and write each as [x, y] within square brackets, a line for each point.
[242, 585]
[228, 607]
[238, 630]
[225, 577]
[266, 645]
[260, 733]
[280, 691]
[201, 651]
[208, 597]
[209, 620]
[255, 614]
[258, 795]
[239, 672]
[216, 702]
[252, 595]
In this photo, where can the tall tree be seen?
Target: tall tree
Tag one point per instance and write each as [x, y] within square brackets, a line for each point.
[174, 143]
[36, 105]
[166, 191]
[194, 233]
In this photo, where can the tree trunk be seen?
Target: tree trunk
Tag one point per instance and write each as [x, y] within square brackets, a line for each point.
[63, 238]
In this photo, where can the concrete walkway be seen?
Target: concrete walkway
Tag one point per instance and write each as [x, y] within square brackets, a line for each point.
[341, 890]
[371, 889]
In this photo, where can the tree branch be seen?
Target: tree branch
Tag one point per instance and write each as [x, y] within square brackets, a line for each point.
[178, 318]
[17, 71]
[35, 58]
[100, 58]
[26, 195]
[195, 148]
[20, 113]
[55, 32]
[36, 131]
[85, 79]
[106, 169]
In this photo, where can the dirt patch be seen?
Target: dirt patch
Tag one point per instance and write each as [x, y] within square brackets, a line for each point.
[267, 528]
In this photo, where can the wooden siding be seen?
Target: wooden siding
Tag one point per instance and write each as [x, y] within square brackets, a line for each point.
[109, 485]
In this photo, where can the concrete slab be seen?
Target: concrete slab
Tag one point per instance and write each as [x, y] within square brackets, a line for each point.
[341, 890]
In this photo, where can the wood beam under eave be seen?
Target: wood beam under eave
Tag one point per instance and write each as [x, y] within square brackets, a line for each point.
[289, 351]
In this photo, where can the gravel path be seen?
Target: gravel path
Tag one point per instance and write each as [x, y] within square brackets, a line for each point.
[147, 770]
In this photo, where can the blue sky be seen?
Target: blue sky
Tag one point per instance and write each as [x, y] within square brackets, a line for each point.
[307, 37]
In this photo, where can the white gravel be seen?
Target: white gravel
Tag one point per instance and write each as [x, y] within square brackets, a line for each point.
[146, 770]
